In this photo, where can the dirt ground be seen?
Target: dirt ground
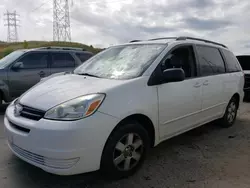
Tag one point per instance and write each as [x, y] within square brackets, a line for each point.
[209, 157]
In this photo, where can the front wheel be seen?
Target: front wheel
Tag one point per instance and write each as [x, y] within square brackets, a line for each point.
[230, 113]
[125, 150]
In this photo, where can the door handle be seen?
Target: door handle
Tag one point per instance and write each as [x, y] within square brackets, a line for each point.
[197, 85]
[205, 83]
[41, 73]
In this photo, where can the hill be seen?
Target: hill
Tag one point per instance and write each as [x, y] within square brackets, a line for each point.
[6, 48]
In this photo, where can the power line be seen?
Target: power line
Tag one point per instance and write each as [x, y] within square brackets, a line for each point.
[61, 21]
[40, 6]
[12, 24]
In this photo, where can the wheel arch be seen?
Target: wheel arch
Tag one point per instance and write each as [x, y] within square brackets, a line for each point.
[237, 97]
[142, 119]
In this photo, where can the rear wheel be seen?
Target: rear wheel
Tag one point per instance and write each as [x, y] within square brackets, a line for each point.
[230, 113]
[125, 150]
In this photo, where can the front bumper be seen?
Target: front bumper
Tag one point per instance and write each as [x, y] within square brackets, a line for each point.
[59, 147]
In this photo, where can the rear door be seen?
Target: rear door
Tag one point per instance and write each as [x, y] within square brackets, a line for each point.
[61, 62]
[235, 81]
[212, 71]
[35, 67]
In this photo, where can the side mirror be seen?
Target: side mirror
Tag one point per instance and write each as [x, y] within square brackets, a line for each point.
[173, 75]
[17, 66]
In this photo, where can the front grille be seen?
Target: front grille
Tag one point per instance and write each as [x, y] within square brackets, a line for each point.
[41, 160]
[31, 113]
[17, 127]
[247, 81]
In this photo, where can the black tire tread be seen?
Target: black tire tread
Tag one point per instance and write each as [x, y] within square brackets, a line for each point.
[223, 121]
[107, 167]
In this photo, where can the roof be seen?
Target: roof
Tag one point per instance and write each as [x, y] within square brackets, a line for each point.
[167, 40]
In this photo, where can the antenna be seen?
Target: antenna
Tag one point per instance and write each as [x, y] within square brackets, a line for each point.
[11, 19]
[61, 21]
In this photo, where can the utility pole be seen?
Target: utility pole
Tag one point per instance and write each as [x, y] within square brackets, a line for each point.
[11, 23]
[61, 21]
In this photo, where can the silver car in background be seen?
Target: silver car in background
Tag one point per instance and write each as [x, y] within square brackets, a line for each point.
[22, 69]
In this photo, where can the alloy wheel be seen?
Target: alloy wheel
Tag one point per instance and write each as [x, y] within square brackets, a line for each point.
[128, 152]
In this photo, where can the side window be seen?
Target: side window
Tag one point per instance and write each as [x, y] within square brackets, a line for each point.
[210, 61]
[182, 57]
[62, 60]
[231, 62]
[83, 56]
[34, 60]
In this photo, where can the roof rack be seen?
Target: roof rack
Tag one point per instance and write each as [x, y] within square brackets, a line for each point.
[62, 48]
[162, 38]
[199, 39]
[134, 41]
[183, 38]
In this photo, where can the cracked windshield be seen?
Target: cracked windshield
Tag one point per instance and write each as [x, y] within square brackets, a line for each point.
[123, 62]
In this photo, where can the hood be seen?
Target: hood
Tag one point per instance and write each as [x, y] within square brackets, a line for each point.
[49, 93]
[53, 75]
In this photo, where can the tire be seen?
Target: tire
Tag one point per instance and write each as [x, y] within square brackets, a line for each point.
[125, 151]
[230, 114]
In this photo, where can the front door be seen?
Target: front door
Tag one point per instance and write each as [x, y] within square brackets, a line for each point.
[34, 66]
[180, 102]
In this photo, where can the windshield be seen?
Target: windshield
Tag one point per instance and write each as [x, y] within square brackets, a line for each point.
[121, 62]
[10, 58]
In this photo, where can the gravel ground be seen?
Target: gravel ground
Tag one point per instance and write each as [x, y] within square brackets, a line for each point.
[205, 157]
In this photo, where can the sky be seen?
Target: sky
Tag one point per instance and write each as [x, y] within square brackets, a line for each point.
[102, 23]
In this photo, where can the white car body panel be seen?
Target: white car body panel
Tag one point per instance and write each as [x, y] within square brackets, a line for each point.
[173, 108]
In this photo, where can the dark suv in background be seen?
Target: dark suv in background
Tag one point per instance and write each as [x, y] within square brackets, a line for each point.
[245, 64]
[22, 69]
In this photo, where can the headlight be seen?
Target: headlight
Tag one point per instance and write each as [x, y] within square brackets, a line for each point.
[77, 108]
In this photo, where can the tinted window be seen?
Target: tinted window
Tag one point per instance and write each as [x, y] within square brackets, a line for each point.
[182, 57]
[60, 60]
[244, 62]
[34, 60]
[210, 61]
[231, 62]
[83, 56]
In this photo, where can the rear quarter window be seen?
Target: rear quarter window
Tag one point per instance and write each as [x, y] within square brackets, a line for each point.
[232, 64]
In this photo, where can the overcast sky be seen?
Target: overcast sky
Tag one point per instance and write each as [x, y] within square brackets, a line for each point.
[106, 22]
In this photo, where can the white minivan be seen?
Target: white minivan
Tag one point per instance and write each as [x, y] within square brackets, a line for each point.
[109, 111]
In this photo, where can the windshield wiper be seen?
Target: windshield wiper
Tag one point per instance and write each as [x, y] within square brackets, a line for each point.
[87, 74]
